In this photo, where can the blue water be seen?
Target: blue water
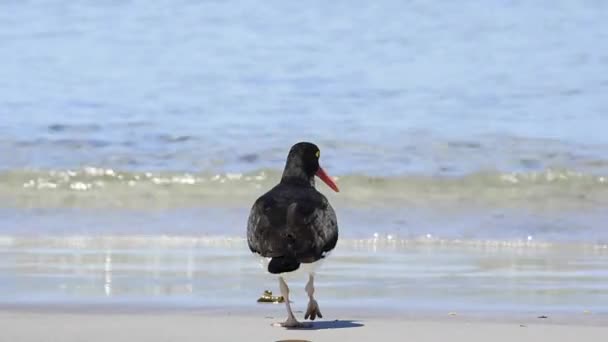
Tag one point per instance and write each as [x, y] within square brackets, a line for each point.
[470, 121]
[182, 85]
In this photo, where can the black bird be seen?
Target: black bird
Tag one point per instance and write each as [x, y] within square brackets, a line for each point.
[293, 224]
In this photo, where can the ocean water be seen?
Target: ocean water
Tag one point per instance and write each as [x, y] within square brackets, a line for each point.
[468, 141]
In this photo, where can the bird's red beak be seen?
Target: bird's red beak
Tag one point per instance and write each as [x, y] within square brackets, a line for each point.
[325, 178]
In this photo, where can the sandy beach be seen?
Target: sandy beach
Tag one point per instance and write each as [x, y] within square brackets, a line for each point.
[223, 326]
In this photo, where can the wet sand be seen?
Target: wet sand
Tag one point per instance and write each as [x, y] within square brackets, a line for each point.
[19, 325]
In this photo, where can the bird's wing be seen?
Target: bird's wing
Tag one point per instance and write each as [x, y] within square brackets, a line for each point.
[314, 225]
[326, 225]
[256, 222]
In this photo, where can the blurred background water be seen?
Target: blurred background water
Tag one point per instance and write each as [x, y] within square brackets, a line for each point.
[470, 122]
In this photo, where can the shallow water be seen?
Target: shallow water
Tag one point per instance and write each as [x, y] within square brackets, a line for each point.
[471, 135]
[199, 272]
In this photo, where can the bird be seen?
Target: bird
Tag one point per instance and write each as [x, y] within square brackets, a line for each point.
[293, 225]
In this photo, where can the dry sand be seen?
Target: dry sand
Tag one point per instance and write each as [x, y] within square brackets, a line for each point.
[19, 325]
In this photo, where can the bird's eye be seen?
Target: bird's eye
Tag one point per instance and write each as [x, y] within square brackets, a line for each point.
[318, 154]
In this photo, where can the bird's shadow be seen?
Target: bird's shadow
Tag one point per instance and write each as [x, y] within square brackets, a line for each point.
[336, 324]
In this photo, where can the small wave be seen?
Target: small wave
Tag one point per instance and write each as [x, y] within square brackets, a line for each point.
[65, 143]
[169, 138]
[92, 186]
[74, 128]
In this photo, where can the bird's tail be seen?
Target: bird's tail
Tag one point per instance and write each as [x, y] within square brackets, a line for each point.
[283, 264]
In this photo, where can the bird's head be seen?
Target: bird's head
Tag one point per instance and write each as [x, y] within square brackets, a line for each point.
[303, 165]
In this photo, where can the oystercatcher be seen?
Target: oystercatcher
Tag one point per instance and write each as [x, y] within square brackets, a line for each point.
[293, 224]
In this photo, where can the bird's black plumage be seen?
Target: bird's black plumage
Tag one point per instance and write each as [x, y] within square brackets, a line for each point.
[293, 223]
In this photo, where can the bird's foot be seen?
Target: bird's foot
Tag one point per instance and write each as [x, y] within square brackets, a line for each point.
[292, 323]
[313, 310]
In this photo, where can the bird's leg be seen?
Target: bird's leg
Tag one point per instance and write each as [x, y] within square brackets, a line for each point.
[312, 310]
[291, 321]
